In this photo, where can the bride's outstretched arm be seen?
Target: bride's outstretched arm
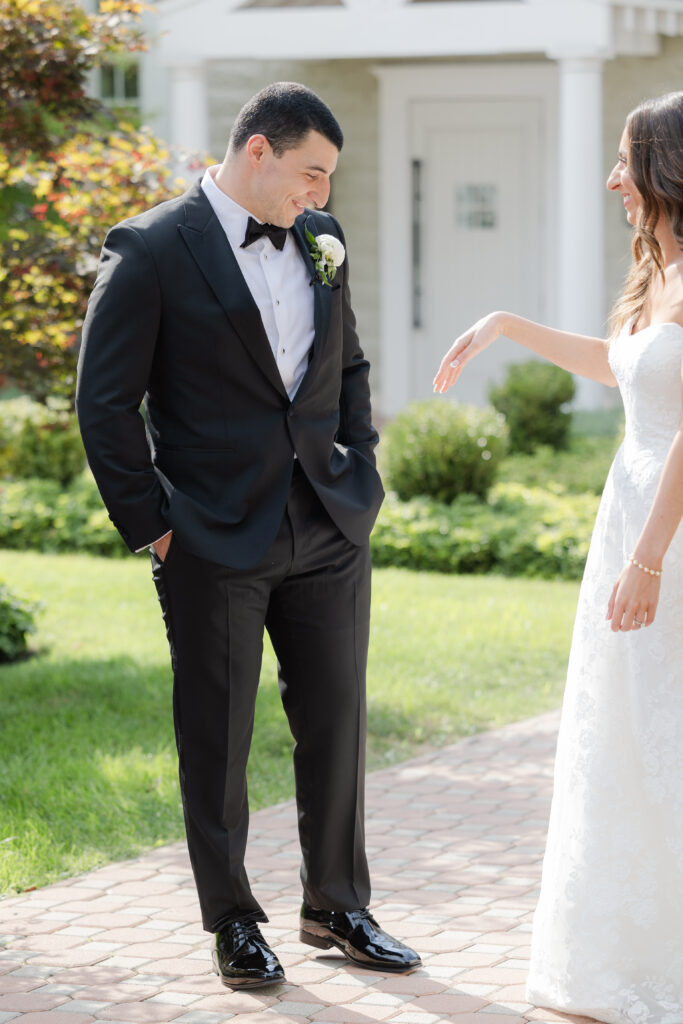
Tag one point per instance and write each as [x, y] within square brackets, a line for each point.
[636, 593]
[577, 353]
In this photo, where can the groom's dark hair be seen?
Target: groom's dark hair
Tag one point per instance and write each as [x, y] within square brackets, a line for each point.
[284, 112]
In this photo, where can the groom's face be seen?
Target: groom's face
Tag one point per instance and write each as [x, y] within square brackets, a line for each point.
[296, 180]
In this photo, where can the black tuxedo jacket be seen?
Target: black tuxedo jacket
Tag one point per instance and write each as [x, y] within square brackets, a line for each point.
[171, 320]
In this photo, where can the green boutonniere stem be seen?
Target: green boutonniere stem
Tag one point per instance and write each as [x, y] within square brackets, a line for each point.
[325, 270]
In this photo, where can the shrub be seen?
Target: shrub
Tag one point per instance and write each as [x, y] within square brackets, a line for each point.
[39, 441]
[441, 449]
[16, 623]
[519, 531]
[582, 469]
[42, 515]
[531, 399]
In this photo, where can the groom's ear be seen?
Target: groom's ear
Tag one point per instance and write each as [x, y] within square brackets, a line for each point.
[257, 148]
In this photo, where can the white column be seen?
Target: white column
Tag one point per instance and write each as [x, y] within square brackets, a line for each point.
[580, 193]
[395, 249]
[580, 196]
[189, 106]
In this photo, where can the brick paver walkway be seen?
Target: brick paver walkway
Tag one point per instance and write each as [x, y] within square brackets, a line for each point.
[455, 840]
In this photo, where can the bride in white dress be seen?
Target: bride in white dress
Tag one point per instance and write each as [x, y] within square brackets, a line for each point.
[608, 931]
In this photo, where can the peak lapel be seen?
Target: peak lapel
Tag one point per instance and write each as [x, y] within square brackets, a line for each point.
[205, 238]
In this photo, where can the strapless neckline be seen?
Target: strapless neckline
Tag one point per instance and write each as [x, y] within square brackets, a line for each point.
[666, 323]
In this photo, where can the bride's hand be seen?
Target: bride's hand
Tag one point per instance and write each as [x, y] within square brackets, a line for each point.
[466, 347]
[634, 600]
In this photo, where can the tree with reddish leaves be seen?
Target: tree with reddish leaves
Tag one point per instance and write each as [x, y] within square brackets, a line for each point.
[69, 169]
[48, 47]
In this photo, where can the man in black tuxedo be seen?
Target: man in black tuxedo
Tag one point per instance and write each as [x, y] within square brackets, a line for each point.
[255, 487]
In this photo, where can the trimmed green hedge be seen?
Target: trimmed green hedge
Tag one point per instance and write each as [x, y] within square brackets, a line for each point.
[519, 531]
[42, 515]
[582, 469]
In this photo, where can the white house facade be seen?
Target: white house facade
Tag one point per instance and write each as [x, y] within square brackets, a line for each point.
[479, 134]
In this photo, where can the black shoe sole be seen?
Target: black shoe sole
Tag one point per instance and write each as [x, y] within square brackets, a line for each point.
[327, 941]
[237, 983]
[247, 982]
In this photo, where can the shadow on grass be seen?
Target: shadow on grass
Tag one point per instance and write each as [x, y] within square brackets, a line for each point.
[89, 767]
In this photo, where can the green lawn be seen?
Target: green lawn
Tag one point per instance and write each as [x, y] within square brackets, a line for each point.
[87, 758]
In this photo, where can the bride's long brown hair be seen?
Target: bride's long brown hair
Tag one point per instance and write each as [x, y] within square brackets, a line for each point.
[655, 156]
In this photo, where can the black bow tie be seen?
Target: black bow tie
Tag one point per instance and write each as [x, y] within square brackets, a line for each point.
[255, 230]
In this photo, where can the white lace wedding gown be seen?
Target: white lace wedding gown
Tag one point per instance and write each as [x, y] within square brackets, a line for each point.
[608, 931]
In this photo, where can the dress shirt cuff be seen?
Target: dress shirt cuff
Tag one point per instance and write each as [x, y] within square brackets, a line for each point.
[146, 547]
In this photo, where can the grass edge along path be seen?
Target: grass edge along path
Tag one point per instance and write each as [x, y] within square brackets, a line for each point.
[87, 757]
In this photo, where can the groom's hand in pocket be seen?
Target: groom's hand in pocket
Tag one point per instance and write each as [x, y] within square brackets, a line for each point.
[161, 546]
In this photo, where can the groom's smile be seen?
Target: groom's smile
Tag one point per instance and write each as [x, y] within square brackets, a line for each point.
[294, 181]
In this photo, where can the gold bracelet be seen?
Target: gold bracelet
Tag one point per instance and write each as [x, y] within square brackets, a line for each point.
[639, 565]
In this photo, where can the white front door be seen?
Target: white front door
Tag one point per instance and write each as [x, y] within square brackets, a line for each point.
[477, 230]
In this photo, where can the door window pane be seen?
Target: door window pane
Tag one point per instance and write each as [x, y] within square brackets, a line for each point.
[476, 206]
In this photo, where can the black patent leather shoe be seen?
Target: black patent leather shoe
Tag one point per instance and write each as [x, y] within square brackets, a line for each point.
[243, 959]
[359, 937]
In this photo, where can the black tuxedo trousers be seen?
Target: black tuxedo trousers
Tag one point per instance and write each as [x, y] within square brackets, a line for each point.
[311, 591]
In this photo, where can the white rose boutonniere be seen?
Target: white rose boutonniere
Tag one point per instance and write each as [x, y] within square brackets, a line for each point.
[328, 255]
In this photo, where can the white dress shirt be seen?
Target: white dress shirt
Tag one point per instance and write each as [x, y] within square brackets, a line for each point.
[279, 281]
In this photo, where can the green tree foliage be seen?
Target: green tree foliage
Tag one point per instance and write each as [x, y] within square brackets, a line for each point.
[68, 171]
[48, 48]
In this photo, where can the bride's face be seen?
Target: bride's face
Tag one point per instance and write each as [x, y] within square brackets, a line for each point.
[620, 180]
